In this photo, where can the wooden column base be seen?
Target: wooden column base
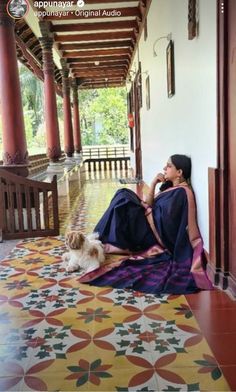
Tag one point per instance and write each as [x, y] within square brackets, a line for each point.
[20, 170]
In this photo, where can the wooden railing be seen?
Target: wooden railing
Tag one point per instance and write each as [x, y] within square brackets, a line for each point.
[28, 208]
[106, 157]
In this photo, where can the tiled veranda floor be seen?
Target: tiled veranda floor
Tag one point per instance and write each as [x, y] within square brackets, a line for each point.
[59, 335]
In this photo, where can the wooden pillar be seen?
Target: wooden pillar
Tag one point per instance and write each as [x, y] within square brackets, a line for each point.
[50, 103]
[15, 154]
[68, 129]
[77, 133]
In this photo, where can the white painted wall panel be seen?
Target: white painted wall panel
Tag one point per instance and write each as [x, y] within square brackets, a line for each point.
[185, 123]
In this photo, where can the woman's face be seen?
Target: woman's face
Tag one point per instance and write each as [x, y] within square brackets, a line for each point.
[170, 171]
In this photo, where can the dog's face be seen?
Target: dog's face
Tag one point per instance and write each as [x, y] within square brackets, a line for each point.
[75, 240]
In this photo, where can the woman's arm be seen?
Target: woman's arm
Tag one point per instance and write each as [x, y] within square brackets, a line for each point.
[150, 196]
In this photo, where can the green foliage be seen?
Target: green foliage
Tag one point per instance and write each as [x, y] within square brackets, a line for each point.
[39, 139]
[28, 120]
[32, 96]
[60, 119]
[32, 100]
[103, 116]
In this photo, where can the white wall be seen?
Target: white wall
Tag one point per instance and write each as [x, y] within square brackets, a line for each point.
[185, 123]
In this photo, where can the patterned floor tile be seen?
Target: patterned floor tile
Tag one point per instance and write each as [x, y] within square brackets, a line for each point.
[190, 379]
[10, 384]
[47, 381]
[60, 335]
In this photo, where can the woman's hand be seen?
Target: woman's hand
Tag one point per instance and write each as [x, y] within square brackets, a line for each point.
[158, 178]
[150, 196]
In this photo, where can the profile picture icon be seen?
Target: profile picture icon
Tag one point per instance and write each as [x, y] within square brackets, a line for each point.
[17, 8]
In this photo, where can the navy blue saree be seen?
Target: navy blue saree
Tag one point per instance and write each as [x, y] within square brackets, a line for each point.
[162, 244]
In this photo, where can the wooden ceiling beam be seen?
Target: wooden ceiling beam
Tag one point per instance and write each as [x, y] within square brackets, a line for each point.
[101, 52]
[38, 52]
[32, 62]
[101, 78]
[27, 35]
[95, 37]
[102, 72]
[103, 13]
[92, 81]
[96, 58]
[96, 45]
[92, 35]
[98, 81]
[98, 69]
[102, 75]
[85, 66]
[121, 25]
[102, 82]
[34, 46]
[96, 86]
[98, 75]
[105, 83]
[101, 63]
[21, 29]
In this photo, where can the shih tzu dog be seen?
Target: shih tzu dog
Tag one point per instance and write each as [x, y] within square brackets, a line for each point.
[85, 252]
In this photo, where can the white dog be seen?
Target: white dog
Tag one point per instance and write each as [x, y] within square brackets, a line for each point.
[85, 252]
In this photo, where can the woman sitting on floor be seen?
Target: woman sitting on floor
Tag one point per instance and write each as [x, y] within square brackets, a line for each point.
[160, 236]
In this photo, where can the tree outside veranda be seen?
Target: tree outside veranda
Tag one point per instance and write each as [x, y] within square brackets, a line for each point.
[103, 115]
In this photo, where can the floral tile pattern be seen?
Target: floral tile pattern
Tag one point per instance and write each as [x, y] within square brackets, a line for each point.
[59, 335]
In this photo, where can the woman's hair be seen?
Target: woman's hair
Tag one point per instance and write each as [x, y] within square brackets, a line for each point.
[180, 162]
[165, 185]
[184, 163]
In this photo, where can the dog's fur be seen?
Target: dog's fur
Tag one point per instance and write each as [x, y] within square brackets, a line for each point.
[85, 252]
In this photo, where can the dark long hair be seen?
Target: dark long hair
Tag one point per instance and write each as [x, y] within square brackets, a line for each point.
[182, 162]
